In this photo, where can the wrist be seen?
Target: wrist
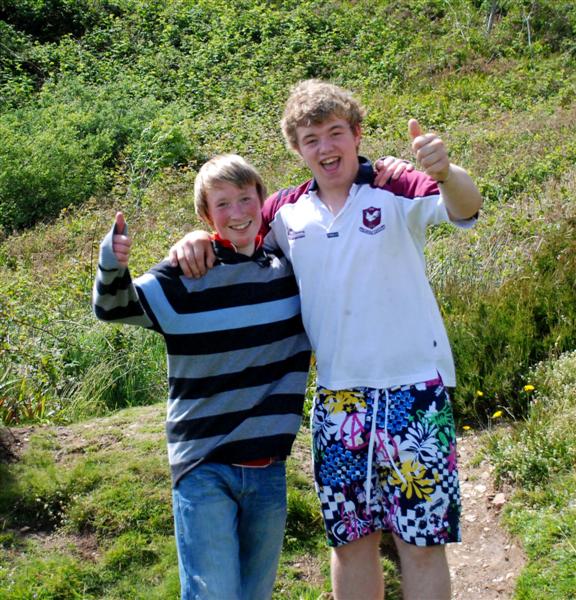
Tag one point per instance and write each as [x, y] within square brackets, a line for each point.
[447, 177]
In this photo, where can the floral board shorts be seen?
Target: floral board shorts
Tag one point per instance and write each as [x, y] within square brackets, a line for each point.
[386, 460]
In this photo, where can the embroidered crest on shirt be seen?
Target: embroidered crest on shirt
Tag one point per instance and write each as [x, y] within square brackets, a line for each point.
[372, 221]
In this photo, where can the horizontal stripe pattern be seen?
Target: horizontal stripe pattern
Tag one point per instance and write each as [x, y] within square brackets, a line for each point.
[222, 424]
[174, 322]
[212, 342]
[194, 388]
[207, 364]
[181, 410]
[248, 431]
[238, 356]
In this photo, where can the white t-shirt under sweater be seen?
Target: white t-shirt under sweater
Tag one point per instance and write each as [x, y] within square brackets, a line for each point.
[367, 305]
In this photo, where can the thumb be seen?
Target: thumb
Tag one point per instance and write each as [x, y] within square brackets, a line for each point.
[414, 129]
[120, 223]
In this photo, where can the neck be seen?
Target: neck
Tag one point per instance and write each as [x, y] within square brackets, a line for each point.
[333, 199]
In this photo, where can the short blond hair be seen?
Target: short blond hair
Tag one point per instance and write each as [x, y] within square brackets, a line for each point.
[224, 168]
[312, 102]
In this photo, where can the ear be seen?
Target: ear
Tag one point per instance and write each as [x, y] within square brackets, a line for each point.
[357, 132]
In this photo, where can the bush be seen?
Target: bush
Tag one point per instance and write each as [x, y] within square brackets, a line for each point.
[499, 333]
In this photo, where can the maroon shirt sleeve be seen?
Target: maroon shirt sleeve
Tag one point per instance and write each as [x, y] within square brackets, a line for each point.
[277, 200]
[414, 184]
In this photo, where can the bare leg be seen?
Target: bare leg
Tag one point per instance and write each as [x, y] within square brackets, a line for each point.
[356, 570]
[425, 573]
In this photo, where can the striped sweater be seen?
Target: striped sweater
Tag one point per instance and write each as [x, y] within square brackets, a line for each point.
[238, 356]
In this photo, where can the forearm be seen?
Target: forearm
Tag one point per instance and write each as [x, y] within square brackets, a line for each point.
[461, 196]
[114, 296]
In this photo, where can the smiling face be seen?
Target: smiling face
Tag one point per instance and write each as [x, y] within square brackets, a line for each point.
[330, 149]
[235, 214]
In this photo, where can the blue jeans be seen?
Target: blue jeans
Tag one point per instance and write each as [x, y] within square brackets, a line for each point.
[229, 526]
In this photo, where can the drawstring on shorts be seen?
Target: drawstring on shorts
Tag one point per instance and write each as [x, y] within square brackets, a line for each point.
[372, 441]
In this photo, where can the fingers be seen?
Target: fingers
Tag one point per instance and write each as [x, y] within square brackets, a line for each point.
[121, 246]
[433, 157]
[414, 129]
[430, 151]
[187, 260]
[390, 168]
[120, 222]
[194, 254]
[121, 243]
[173, 256]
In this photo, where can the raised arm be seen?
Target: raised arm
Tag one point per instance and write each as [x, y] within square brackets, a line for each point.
[460, 194]
[114, 296]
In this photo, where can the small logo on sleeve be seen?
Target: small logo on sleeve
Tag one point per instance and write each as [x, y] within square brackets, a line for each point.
[295, 235]
[372, 221]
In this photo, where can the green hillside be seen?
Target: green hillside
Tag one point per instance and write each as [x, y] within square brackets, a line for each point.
[113, 104]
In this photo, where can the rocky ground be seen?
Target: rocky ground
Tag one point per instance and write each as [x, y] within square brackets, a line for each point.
[486, 564]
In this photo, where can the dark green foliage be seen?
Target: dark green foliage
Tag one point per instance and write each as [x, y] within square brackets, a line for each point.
[49, 20]
[498, 334]
[213, 60]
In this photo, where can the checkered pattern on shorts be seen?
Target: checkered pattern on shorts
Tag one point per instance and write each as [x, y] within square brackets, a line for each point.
[415, 491]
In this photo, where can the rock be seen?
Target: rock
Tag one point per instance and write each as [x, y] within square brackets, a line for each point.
[499, 499]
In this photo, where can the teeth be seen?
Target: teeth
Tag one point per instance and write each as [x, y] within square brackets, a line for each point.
[329, 161]
[241, 227]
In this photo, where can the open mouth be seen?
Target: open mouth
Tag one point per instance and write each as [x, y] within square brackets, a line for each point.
[330, 164]
[241, 227]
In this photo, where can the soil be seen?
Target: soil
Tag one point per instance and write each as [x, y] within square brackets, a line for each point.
[487, 562]
[483, 567]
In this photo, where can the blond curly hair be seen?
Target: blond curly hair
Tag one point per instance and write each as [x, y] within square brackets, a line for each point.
[312, 102]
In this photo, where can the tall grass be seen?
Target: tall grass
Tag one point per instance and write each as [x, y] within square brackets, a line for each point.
[538, 458]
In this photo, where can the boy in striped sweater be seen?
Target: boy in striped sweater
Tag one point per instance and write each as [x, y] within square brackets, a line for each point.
[238, 360]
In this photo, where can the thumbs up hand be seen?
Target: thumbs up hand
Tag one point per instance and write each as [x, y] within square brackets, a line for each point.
[429, 151]
[121, 243]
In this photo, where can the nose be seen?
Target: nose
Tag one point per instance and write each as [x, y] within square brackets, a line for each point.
[236, 210]
[325, 144]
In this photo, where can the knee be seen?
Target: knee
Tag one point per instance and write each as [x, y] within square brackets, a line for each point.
[359, 551]
[421, 556]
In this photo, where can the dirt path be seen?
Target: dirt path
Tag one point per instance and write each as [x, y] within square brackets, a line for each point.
[485, 566]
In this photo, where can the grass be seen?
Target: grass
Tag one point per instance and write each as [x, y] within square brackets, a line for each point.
[538, 458]
[114, 105]
[86, 513]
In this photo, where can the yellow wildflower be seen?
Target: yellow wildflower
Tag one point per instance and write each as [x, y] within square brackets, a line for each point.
[528, 388]
[466, 427]
[497, 414]
[479, 393]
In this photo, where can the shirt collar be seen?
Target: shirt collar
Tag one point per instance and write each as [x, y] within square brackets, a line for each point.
[225, 252]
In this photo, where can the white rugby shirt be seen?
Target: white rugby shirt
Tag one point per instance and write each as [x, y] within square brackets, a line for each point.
[367, 305]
